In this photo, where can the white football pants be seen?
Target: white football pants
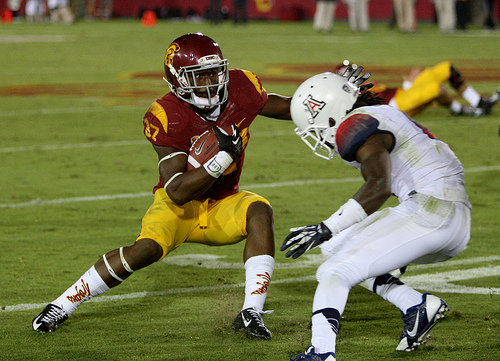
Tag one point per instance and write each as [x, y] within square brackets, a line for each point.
[422, 229]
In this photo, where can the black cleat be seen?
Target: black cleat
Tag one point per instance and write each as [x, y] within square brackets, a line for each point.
[486, 103]
[419, 320]
[49, 319]
[250, 320]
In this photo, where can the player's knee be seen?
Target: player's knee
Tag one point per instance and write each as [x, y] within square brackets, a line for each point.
[338, 272]
[143, 253]
[260, 212]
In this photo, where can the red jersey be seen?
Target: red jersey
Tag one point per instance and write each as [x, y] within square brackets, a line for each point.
[170, 122]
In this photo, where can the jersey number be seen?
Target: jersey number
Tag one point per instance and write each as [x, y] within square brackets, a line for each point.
[147, 130]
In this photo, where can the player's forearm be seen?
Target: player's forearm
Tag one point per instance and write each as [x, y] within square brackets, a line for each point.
[189, 185]
[277, 106]
[373, 194]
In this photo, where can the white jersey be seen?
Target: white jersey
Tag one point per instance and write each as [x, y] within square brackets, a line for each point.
[420, 162]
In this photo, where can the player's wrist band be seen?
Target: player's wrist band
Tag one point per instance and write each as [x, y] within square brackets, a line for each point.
[218, 164]
[348, 214]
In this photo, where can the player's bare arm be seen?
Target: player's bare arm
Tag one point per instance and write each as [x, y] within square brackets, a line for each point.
[376, 170]
[277, 106]
[182, 186]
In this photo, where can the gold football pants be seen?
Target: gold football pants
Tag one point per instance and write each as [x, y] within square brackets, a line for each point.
[212, 222]
[424, 89]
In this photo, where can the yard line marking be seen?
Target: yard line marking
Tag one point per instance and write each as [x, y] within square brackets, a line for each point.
[9, 39]
[30, 306]
[440, 282]
[39, 202]
[73, 146]
[434, 282]
[210, 261]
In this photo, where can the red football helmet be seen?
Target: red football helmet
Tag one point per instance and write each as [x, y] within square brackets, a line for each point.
[189, 61]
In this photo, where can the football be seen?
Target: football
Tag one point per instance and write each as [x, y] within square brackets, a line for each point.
[205, 147]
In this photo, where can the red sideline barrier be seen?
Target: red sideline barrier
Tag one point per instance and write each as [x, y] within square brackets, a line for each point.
[284, 10]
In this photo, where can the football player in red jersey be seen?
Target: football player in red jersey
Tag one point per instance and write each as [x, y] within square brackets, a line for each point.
[203, 205]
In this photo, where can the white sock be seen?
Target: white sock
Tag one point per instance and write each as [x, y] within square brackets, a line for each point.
[323, 337]
[400, 295]
[88, 286]
[472, 96]
[258, 273]
[456, 107]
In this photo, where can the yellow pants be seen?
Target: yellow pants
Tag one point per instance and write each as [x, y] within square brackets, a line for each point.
[424, 89]
[212, 222]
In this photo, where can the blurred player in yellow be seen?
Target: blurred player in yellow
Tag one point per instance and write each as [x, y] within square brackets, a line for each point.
[423, 87]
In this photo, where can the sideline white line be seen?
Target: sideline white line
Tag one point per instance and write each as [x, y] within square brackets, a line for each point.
[18, 113]
[40, 202]
[111, 143]
[457, 275]
[73, 146]
[30, 306]
[9, 39]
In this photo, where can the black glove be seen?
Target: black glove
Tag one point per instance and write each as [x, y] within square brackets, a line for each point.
[233, 144]
[302, 239]
[353, 75]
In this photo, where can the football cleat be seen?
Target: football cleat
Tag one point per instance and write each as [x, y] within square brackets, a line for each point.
[311, 355]
[49, 319]
[495, 96]
[486, 103]
[419, 320]
[250, 320]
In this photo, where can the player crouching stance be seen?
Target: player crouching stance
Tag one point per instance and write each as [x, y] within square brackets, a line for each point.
[395, 155]
[203, 205]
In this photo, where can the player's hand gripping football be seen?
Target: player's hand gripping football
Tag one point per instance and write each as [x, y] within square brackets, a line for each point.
[231, 143]
[302, 239]
[355, 77]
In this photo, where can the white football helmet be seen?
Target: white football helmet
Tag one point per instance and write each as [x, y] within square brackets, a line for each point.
[318, 107]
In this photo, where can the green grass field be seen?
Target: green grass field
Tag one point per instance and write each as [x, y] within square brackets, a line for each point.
[77, 174]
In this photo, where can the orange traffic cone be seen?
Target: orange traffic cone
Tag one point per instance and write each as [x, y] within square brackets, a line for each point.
[148, 19]
[6, 16]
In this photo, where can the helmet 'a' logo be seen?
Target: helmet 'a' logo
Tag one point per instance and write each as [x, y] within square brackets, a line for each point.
[313, 105]
[169, 56]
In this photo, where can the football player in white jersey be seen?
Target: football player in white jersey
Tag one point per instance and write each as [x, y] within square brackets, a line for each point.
[396, 156]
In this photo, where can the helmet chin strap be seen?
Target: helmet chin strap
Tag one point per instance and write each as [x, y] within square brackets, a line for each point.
[204, 104]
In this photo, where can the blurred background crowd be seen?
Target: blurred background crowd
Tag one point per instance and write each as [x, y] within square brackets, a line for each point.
[404, 15]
